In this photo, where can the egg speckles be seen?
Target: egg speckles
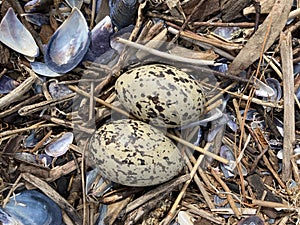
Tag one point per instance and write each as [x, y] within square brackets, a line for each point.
[133, 153]
[162, 95]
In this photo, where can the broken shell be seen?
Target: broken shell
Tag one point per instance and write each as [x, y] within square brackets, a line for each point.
[58, 90]
[68, 45]
[60, 146]
[16, 36]
[251, 220]
[7, 84]
[296, 154]
[227, 33]
[275, 85]
[75, 3]
[38, 19]
[95, 184]
[263, 89]
[184, 218]
[38, 5]
[100, 39]
[231, 169]
[31, 207]
[122, 12]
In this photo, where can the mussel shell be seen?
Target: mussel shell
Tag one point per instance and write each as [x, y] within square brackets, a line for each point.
[6, 219]
[60, 146]
[38, 6]
[75, 3]
[7, 84]
[100, 39]
[16, 36]
[42, 69]
[38, 19]
[34, 208]
[68, 45]
[251, 220]
[123, 12]
[275, 85]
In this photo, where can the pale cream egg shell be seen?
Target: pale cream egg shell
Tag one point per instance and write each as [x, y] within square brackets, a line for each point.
[134, 153]
[161, 95]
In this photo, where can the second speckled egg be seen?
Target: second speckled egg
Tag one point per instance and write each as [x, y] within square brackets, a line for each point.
[133, 153]
[161, 95]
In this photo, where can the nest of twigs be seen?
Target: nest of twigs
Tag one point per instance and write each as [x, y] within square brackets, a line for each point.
[245, 167]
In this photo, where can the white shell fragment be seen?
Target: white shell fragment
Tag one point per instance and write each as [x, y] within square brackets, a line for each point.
[133, 153]
[75, 3]
[296, 154]
[16, 36]
[184, 218]
[161, 95]
[263, 89]
[60, 146]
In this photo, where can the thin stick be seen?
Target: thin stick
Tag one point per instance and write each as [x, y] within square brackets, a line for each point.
[6, 200]
[15, 108]
[289, 110]
[20, 130]
[246, 97]
[17, 93]
[51, 193]
[166, 55]
[203, 45]
[199, 24]
[216, 43]
[41, 142]
[93, 14]
[274, 173]
[197, 148]
[162, 189]
[213, 105]
[98, 100]
[199, 183]
[84, 219]
[172, 211]
[272, 204]
[219, 94]
[229, 197]
[275, 68]
[186, 143]
[29, 109]
[91, 109]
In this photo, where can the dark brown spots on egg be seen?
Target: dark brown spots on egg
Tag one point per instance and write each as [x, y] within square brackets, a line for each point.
[170, 72]
[142, 161]
[160, 87]
[151, 113]
[159, 108]
[138, 105]
[136, 75]
[151, 72]
[154, 99]
[161, 74]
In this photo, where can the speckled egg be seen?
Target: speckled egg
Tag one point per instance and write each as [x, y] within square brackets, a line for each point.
[161, 95]
[134, 153]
